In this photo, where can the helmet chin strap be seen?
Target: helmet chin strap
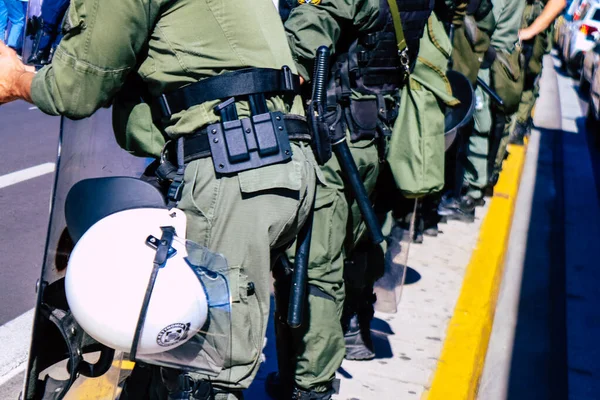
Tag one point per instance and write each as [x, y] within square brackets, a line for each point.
[162, 254]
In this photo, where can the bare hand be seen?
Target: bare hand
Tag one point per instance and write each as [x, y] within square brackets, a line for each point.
[12, 74]
[526, 34]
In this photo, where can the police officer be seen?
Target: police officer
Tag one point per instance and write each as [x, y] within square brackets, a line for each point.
[190, 51]
[430, 96]
[534, 35]
[370, 62]
[502, 24]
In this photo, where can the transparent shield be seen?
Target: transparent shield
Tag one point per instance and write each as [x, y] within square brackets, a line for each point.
[59, 348]
[208, 351]
[389, 287]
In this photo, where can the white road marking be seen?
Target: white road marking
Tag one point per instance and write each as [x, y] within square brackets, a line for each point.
[14, 345]
[33, 108]
[26, 174]
[11, 374]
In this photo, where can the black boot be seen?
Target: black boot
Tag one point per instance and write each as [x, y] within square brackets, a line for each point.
[300, 394]
[461, 209]
[522, 129]
[276, 391]
[431, 218]
[419, 228]
[357, 348]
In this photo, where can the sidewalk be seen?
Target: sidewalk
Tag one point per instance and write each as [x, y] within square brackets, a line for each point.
[409, 343]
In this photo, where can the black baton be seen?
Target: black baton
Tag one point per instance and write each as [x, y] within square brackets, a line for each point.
[348, 166]
[493, 95]
[300, 277]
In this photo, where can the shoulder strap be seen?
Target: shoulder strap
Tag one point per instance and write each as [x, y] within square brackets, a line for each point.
[397, 25]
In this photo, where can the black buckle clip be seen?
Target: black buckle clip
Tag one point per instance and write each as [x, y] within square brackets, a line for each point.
[288, 78]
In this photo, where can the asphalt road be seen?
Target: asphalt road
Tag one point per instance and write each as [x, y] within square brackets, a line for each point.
[29, 139]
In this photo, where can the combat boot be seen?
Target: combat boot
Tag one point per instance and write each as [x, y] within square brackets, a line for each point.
[522, 129]
[357, 348]
[275, 390]
[300, 394]
[431, 218]
[461, 209]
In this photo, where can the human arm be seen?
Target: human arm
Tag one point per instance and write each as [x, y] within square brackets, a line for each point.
[310, 26]
[15, 78]
[99, 50]
[552, 10]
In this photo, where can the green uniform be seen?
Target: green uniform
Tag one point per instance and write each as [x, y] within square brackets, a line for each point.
[337, 221]
[505, 31]
[534, 67]
[170, 44]
[537, 47]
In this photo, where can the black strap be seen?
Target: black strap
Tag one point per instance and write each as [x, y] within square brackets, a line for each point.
[231, 84]
[162, 253]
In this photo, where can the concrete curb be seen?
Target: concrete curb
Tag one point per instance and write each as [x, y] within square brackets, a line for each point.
[460, 365]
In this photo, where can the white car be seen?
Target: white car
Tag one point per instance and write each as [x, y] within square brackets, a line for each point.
[590, 64]
[563, 24]
[579, 36]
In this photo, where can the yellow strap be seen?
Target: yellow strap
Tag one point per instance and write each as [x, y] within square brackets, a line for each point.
[397, 21]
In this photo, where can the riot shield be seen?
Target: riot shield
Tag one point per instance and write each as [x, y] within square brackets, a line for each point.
[459, 115]
[86, 149]
[64, 360]
[388, 288]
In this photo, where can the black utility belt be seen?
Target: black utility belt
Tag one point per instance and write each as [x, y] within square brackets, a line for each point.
[247, 143]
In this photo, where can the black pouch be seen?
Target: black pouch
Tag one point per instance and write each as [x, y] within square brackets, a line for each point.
[319, 127]
[337, 126]
[362, 117]
[249, 143]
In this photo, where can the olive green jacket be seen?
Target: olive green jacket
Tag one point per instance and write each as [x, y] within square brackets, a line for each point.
[316, 23]
[169, 44]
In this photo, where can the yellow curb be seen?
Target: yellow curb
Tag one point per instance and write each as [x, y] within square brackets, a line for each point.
[461, 363]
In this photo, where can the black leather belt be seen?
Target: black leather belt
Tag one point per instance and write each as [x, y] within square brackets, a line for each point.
[196, 146]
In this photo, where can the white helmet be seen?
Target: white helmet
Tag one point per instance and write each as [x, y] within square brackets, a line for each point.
[108, 274]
